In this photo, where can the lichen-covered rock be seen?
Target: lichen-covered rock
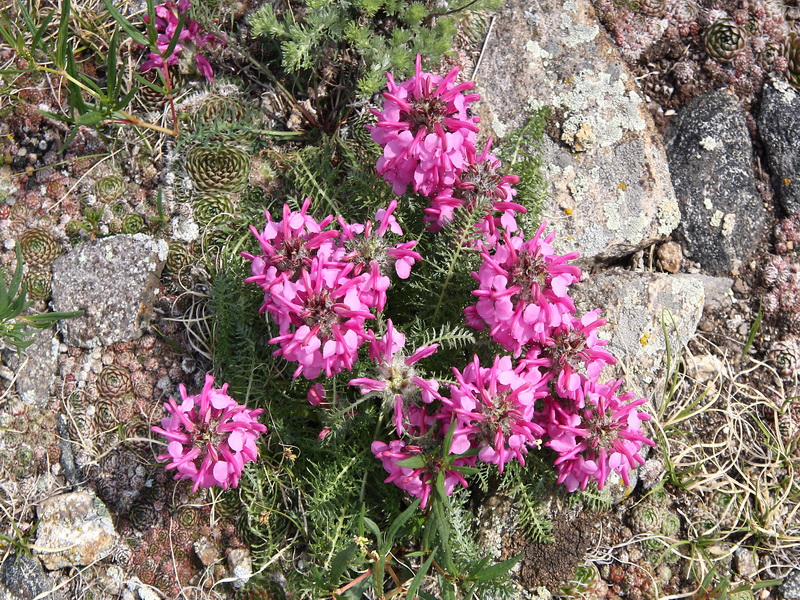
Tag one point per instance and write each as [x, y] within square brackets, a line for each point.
[609, 184]
[778, 125]
[114, 280]
[36, 368]
[240, 565]
[635, 306]
[74, 529]
[23, 578]
[710, 155]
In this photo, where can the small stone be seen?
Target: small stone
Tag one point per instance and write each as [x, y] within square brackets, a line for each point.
[206, 551]
[240, 565]
[37, 368]
[669, 257]
[74, 529]
[705, 368]
[146, 593]
[743, 562]
[740, 287]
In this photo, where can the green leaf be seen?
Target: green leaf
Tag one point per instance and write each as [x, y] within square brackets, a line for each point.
[126, 99]
[419, 577]
[414, 462]
[396, 525]
[150, 24]
[126, 25]
[39, 35]
[63, 35]
[90, 118]
[373, 527]
[751, 336]
[340, 562]
[111, 64]
[496, 570]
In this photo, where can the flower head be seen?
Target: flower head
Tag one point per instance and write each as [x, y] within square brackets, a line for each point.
[395, 378]
[522, 290]
[424, 129]
[605, 436]
[211, 436]
[494, 410]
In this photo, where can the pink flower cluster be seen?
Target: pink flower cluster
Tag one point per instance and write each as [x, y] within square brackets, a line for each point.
[428, 138]
[324, 281]
[211, 436]
[166, 23]
[321, 284]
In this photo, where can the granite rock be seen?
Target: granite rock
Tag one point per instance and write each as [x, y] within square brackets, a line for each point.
[778, 125]
[74, 529]
[609, 183]
[114, 280]
[710, 156]
[23, 578]
[635, 304]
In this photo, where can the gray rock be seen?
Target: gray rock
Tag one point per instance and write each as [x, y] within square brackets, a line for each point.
[719, 291]
[23, 578]
[790, 588]
[609, 183]
[778, 125]
[635, 304]
[240, 565]
[710, 153]
[36, 369]
[74, 529]
[114, 280]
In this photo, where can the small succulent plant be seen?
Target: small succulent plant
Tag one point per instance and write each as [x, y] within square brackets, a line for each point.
[178, 257]
[670, 524]
[209, 206]
[109, 189]
[39, 282]
[39, 247]
[654, 8]
[646, 518]
[791, 51]
[73, 228]
[114, 382]
[785, 356]
[132, 223]
[724, 40]
[217, 108]
[220, 167]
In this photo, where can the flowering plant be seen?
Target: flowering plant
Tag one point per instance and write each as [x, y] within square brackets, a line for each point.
[168, 19]
[211, 436]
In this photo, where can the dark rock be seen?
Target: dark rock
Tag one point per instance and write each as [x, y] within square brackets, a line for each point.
[709, 152]
[779, 127]
[114, 281]
[23, 578]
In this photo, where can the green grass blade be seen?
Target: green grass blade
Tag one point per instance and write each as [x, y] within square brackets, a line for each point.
[126, 25]
[63, 35]
[420, 577]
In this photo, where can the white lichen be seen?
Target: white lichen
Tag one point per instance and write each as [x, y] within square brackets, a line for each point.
[710, 143]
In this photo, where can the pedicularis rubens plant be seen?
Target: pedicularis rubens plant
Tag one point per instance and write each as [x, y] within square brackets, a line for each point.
[436, 343]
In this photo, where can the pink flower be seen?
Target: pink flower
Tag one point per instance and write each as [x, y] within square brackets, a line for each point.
[478, 186]
[494, 410]
[573, 348]
[211, 437]
[395, 378]
[424, 129]
[605, 436]
[366, 247]
[417, 480]
[522, 290]
[321, 319]
[166, 24]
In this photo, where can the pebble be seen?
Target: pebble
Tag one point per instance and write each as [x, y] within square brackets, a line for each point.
[669, 257]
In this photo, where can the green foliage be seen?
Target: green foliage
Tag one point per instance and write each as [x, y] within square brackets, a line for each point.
[521, 156]
[17, 328]
[358, 40]
[528, 487]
